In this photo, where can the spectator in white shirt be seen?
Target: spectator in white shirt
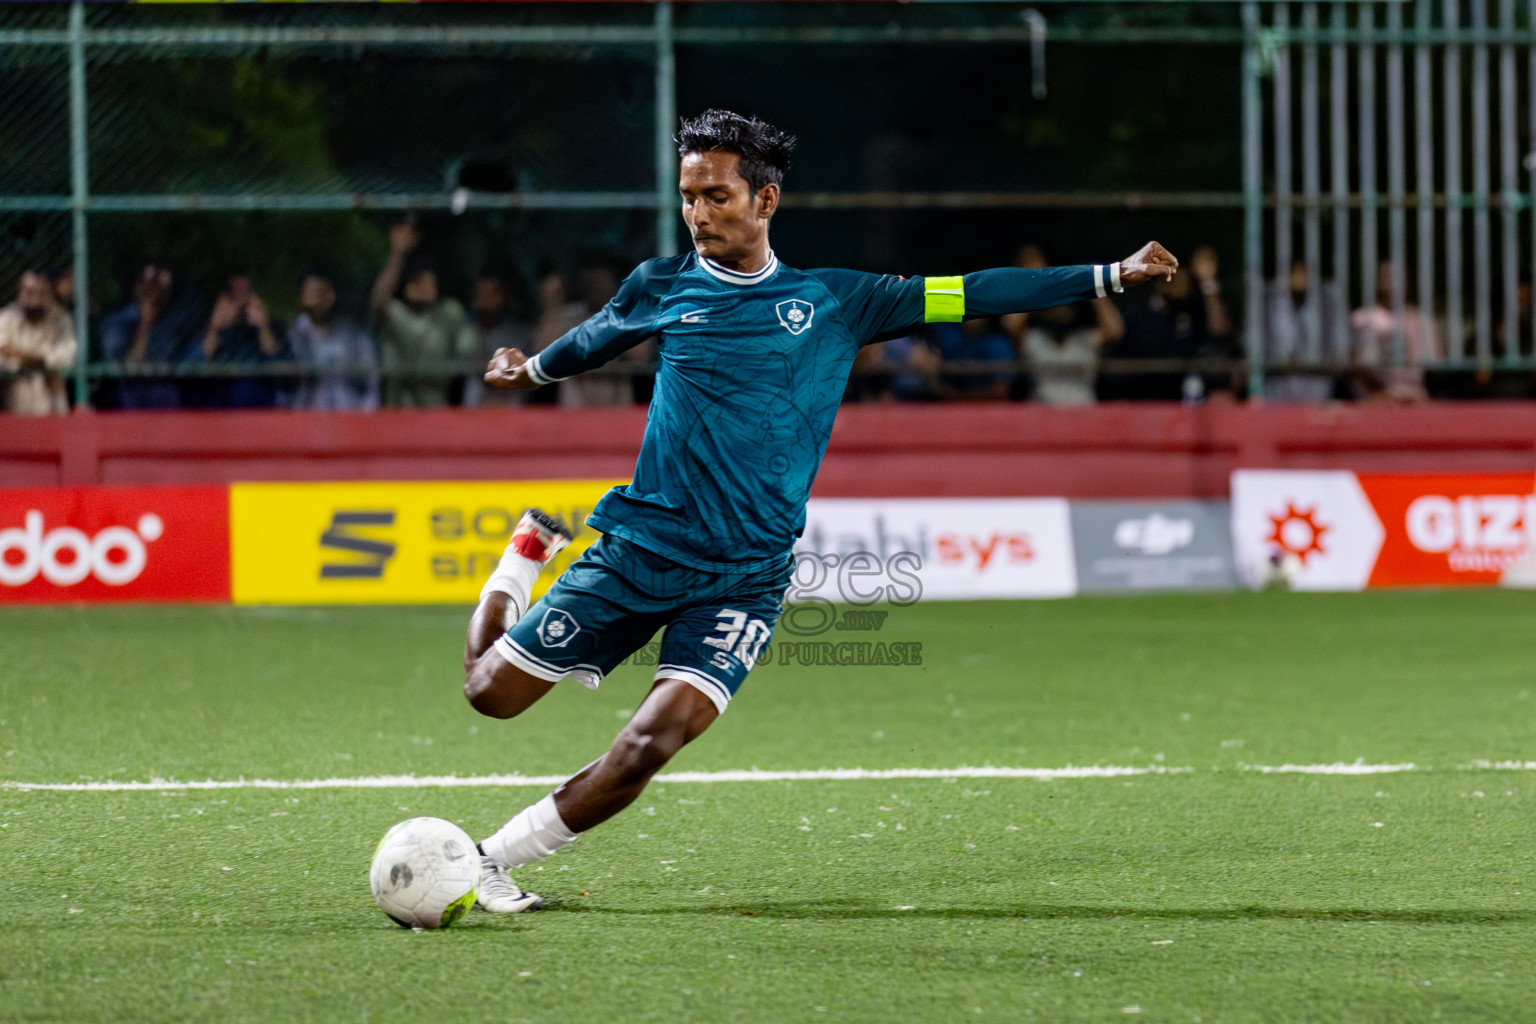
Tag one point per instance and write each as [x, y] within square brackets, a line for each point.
[341, 366]
[37, 342]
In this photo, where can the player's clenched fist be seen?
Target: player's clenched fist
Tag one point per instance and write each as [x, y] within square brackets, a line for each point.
[506, 371]
[1151, 260]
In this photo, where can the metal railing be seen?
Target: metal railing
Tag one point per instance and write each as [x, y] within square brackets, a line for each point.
[1364, 48]
[81, 39]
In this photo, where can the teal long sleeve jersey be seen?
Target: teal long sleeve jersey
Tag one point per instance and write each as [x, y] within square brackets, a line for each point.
[752, 369]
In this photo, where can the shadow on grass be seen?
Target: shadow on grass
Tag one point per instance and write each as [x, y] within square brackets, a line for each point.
[834, 910]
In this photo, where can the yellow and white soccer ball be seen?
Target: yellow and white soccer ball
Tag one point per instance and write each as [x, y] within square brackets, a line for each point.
[425, 873]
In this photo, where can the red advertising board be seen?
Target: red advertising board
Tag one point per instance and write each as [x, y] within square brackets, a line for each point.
[1336, 530]
[1469, 528]
[64, 544]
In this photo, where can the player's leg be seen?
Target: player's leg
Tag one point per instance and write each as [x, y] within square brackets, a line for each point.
[706, 654]
[494, 686]
[593, 617]
[672, 715]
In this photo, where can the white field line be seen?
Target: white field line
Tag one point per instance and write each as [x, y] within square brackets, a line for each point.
[475, 781]
[1503, 766]
[752, 775]
[1342, 768]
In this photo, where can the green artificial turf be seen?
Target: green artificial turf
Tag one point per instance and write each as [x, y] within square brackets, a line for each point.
[1219, 893]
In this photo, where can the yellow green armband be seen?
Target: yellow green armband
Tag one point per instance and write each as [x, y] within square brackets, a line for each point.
[943, 300]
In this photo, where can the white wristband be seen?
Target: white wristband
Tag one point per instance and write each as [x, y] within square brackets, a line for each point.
[1098, 280]
[535, 370]
[1114, 277]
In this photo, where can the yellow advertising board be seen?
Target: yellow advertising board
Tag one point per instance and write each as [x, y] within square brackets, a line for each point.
[388, 543]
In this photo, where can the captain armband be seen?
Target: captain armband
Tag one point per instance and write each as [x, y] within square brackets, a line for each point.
[943, 300]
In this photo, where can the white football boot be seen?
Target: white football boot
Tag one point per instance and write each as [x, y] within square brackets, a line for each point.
[498, 894]
[539, 536]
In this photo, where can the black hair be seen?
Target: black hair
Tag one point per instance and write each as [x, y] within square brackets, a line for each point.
[764, 149]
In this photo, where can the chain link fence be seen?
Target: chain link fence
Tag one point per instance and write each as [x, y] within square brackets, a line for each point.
[531, 138]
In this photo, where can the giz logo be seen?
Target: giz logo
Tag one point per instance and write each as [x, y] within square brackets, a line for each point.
[115, 556]
[1472, 524]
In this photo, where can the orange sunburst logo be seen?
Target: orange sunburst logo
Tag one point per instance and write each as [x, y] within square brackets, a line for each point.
[1298, 532]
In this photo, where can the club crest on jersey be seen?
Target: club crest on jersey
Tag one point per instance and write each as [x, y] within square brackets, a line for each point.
[795, 314]
[557, 628]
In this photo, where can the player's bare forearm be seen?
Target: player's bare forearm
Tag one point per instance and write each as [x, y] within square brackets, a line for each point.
[508, 371]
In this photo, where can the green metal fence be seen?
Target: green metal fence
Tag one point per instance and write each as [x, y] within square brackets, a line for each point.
[77, 159]
[1422, 99]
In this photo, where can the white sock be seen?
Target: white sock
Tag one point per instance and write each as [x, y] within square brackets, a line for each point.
[534, 834]
[514, 576]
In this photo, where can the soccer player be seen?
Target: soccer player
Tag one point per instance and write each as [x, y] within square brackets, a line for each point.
[754, 359]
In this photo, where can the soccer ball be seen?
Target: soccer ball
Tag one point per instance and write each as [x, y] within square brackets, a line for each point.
[425, 873]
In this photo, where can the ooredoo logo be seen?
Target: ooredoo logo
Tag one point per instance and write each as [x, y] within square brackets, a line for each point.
[65, 555]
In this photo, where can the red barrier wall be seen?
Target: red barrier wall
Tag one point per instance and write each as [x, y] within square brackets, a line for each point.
[1106, 451]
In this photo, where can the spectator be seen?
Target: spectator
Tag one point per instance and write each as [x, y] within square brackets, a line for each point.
[595, 285]
[904, 369]
[1509, 343]
[1510, 339]
[1291, 307]
[341, 367]
[865, 381]
[239, 333]
[418, 330]
[157, 328]
[37, 340]
[974, 341]
[62, 281]
[1379, 374]
[913, 365]
[494, 328]
[1179, 319]
[1062, 344]
[559, 312]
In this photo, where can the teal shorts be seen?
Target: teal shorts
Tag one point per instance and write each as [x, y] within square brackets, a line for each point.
[617, 595]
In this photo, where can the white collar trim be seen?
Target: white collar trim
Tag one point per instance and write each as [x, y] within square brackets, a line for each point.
[736, 278]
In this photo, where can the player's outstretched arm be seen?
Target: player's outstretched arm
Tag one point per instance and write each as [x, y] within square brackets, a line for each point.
[882, 305]
[1020, 290]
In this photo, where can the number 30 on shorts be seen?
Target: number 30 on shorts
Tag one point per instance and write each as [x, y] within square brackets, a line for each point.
[744, 637]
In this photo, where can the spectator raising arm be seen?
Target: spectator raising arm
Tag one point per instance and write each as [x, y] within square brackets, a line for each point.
[226, 309]
[256, 316]
[152, 294]
[403, 237]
